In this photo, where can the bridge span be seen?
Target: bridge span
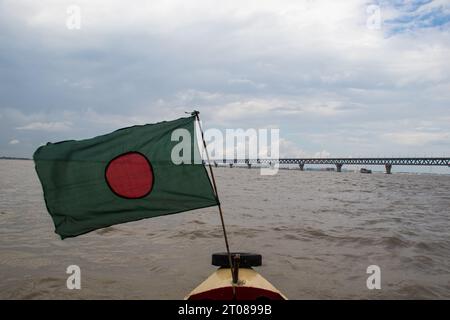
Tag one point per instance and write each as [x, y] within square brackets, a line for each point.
[339, 162]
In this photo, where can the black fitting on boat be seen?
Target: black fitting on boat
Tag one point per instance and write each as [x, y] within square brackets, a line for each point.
[246, 260]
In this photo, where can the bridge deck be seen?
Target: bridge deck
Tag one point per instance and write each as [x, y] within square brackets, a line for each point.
[350, 161]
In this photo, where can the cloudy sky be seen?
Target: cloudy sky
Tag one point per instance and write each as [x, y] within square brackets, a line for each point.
[339, 78]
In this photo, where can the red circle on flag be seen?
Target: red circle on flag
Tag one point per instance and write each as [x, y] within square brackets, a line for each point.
[130, 175]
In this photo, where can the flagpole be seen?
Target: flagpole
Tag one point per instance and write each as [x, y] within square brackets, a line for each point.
[196, 113]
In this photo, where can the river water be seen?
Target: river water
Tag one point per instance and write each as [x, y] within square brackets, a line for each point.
[317, 231]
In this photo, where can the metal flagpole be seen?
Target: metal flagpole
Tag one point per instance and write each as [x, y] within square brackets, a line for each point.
[196, 113]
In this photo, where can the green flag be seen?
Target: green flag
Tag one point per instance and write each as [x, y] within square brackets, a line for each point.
[123, 176]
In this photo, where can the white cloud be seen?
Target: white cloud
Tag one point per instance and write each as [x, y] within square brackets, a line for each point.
[289, 149]
[246, 83]
[14, 141]
[47, 126]
[82, 84]
[417, 138]
[247, 109]
[322, 154]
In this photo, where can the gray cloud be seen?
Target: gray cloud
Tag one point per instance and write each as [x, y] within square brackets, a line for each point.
[311, 68]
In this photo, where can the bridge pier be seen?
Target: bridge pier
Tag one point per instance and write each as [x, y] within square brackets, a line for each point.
[302, 166]
[339, 167]
[388, 168]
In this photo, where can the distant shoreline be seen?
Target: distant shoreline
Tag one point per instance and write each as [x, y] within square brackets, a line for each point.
[14, 158]
[286, 168]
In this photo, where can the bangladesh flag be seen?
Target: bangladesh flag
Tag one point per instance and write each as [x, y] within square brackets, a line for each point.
[123, 176]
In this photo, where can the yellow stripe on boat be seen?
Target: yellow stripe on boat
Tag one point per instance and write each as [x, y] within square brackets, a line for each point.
[251, 286]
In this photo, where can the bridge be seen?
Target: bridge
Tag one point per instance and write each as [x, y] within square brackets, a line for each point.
[339, 162]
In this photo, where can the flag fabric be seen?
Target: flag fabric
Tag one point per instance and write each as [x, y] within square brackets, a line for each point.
[123, 176]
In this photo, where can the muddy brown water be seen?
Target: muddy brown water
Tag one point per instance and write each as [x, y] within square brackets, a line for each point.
[317, 231]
